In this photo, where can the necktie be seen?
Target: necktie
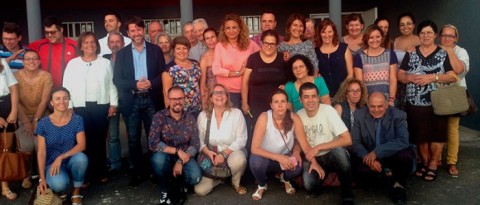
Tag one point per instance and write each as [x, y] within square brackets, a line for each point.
[378, 131]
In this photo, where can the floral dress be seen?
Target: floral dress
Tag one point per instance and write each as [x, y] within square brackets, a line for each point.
[189, 81]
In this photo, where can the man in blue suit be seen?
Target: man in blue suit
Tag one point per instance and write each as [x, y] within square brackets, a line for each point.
[380, 145]
[137, 75]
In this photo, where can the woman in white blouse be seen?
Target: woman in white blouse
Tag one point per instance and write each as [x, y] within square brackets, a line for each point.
[93, 97]
[228, 132]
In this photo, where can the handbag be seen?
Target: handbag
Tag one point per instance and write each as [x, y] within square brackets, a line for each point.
[48, 198]
[449, 99]
[14, 166]
[472, 107]
[220, 171]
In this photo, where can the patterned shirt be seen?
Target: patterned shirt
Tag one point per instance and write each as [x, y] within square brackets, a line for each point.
[59, 139]
[189, 81]
[305, 48]
[376, 70]
[16, 63]
[167, 131]
[415, 63]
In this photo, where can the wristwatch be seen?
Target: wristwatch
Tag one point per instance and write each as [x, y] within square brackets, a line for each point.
[179, 161]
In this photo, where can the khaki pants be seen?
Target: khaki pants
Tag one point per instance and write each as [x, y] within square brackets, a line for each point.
[453, 140]
[237, 161]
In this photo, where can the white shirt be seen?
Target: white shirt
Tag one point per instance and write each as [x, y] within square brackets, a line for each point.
[462, 55]
[104, 49]
[273, 142]
[231, 134]
[75, 80]
[6, 79]
[324, 127]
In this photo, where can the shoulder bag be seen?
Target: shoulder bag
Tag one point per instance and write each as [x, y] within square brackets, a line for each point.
[220, 171]
[449, 99]
[14, 164]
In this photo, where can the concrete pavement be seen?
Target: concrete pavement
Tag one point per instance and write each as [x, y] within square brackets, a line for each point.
[445, 190]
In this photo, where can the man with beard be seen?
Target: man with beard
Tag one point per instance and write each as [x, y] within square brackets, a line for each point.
[328, 136]
[174, 141]
[115, 43]
[137, 75]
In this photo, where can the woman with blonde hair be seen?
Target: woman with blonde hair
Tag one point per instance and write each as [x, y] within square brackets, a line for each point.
[227, 139]
[351, 96]
[164, 41]
[231, 54]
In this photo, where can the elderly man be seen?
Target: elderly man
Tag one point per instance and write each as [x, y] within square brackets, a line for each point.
[112, 23]
[380, 146]
[328, 136]
[115, 43]
[174, 141]
[154, 28]
[267, 21]
[199, 25]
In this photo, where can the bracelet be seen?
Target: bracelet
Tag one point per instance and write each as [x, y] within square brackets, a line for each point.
[65, 155]
[179, 161]
[225, 156]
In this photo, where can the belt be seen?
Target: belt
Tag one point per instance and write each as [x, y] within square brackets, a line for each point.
[141, 94]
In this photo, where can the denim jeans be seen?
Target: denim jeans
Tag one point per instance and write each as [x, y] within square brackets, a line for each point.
[260, 166]
[336, 160]
[114, 146]
[75, 167]
[142, 111]
[163, 163]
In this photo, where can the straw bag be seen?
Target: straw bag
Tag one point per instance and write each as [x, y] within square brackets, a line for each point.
[48, 198]
[449, 99]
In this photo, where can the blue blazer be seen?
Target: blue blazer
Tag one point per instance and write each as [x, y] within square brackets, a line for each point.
[394, 134]
[124, 76]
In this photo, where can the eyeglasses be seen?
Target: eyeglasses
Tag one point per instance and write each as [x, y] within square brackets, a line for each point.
[269, 45]
[9, 39]
[219, 93]
[448, 36]
[180, 99]
[50, 33]
[354, 91]
[427, 33]
[300, 67]
[30, 59]
[406, 24]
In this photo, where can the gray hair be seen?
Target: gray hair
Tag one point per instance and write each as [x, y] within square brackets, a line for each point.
[115, 33]
[201, 20]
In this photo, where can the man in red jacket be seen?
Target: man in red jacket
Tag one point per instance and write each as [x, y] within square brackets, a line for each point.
[55, 50]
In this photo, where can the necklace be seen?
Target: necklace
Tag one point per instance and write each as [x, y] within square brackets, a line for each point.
[234, 46]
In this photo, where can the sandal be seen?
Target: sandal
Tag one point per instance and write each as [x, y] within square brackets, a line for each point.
[240, 189]
[452, 170]
[77, 197]
[9, 194]
[421, 171]
[430, 175]
[259, 193]
[289, 189]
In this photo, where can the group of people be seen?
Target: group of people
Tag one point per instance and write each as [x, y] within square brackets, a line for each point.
[308, 104]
